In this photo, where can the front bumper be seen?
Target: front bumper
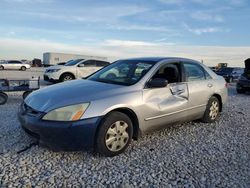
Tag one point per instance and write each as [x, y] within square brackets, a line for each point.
[51, 77]
[67, 136]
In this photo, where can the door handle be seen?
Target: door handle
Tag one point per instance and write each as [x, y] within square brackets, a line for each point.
[209, 85]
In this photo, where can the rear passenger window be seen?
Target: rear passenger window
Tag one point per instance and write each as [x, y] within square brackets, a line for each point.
[101, 63]
[194, 72]
[90, 63]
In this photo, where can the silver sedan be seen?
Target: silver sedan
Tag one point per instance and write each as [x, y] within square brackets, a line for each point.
[123, 101]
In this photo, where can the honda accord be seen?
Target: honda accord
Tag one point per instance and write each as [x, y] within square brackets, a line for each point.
[121, 102]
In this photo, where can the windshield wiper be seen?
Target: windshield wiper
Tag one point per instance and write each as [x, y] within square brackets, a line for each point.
[109, 82]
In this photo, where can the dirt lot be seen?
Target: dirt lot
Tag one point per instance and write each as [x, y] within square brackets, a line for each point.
[192, 154]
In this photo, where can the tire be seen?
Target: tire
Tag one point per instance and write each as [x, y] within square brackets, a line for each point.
[1, 68]
[3, 98]
[114, 135]
[23, 68]
[240, 91]
[66, 77]
[26, 93]
[212, 110]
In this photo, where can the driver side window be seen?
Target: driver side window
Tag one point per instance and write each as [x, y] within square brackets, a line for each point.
[169, 72]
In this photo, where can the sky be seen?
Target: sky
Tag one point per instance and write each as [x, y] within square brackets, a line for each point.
[214, 31]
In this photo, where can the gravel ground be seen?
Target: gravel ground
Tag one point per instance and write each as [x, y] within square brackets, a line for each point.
[188, 155]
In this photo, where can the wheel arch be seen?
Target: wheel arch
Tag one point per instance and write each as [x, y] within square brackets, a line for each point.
[131, 114]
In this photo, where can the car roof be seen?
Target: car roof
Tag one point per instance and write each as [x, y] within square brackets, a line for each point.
[158, 59]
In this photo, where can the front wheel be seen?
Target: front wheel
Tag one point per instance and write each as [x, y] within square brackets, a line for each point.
[1, 68]
[66, 77]
[114, 135]
[23, 68]
[212, 110]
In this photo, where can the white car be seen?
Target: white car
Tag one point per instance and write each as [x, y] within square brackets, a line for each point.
[73, 69]
[14, 64]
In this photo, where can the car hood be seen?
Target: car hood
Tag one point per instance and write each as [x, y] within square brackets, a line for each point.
[69, 93]
[55, 67]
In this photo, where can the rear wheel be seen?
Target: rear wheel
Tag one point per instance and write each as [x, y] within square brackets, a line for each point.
[1, 68]
[3, 98]
[114, 135]
[66, 77]
[212, 111]
[23, 68]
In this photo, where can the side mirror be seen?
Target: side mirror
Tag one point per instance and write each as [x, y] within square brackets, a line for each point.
[157, 83]
[81, 65]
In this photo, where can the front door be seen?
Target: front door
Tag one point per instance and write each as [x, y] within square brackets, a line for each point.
[165, 105]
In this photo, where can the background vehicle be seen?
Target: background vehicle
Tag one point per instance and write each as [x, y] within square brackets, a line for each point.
[73, 69]
[51, 58]
[230, 73]
[15, 65]
[105, 113]
[36, 62]
[243, 83]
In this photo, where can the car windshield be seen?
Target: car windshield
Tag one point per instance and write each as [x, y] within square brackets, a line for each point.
[123, 72]
[73, 62]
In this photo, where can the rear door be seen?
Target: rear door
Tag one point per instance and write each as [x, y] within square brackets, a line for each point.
[165, 105]
[200, 87]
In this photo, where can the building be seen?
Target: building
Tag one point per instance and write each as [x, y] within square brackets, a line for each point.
[50, 58]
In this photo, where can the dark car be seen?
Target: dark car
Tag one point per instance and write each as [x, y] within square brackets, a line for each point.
[230, 73]
[243, 84]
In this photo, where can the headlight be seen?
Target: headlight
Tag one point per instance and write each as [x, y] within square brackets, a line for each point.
[68, 113]
[54, 70]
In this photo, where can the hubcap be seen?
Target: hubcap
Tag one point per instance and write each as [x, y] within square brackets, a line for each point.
[117, 136]
[214, 110]
[67, 78]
